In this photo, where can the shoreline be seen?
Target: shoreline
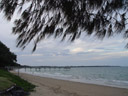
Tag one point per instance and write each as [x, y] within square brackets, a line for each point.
[96, 82]
[55, 87]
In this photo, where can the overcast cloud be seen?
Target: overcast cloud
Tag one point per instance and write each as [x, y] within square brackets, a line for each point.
[86, 52]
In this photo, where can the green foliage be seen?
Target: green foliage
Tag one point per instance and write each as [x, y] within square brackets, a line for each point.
[7, 58]
[17, 80]
[5, 83]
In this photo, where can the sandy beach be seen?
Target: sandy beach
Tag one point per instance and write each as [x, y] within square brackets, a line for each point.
[55, 87]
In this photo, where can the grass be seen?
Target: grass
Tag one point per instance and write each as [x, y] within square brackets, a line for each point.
[5, 83]
[9, 79]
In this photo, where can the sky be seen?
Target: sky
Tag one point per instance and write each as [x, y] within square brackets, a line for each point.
[85, 51]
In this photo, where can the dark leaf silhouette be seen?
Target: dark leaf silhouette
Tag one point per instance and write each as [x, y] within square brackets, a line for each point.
[41, 19]
[7, 58]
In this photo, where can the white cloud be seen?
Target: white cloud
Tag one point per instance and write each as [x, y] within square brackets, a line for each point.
[110, 55]
[83, 46]
[95, 50]
[77, 50]
[32, 55]
[117, 54]
[64, 52]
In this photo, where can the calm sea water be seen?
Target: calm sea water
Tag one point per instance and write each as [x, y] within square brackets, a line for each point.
[110, 76]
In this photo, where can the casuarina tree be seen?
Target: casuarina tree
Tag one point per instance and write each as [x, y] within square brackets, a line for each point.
[41, 19]
[7, 58]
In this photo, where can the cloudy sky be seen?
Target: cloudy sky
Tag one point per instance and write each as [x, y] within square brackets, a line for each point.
[84, 51]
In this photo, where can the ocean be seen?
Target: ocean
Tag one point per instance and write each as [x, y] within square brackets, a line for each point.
[108, 76]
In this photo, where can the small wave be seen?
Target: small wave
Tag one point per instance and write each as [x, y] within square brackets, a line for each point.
[118, 81]
[86, 78]
[56, 75]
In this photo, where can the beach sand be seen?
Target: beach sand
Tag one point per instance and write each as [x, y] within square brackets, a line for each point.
[55, 87]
